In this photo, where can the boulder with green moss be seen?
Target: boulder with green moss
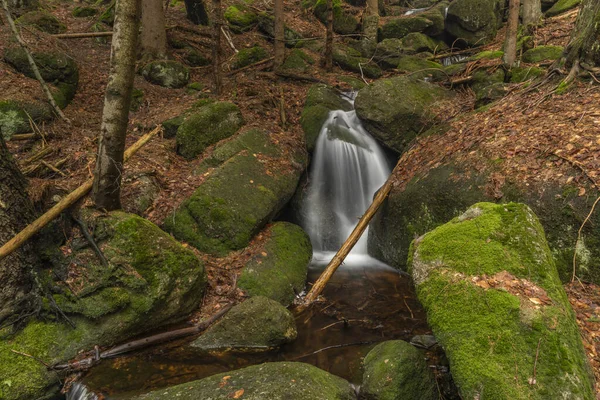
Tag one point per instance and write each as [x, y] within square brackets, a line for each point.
[297, 61]
[279, 270]
[344, 22]
[166, 73]
[542, 53]
[320, 100]
[493, 298]
[522, 74]
[206, 126]
[257, 324]
[396, 110]
[266, 24]
[150, 281]
[421, 68]
[84, 11]
[273, 381]
[196, 59]
[562, 6]
[14, 116]
[395, 370]
[399, 27]
[487, 55]
[390, 51]
[240, 17]
[249, 56]
[474, 22]
[42, 20]
[351, 60]
[488, 86]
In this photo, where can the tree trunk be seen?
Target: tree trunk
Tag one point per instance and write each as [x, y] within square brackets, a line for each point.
[585, 38]
[372, 8]
[279, 33]
[17, 295]
[153, 38]
[216, 50]
[532, 12]
[20, 7]
[329, 38]
[109, 163]
[196, 12]
[510, 43]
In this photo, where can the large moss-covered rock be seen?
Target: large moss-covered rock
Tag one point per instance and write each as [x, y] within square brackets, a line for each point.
[522, 74]
[266, 24]
[562, 6]
[150, 281]
[475, 22]
[488, 86]
[43, 21]
[350, 59]
[14, 116]
[249, 56]
[240, 17]
[297, 61]
[421, 68]
[235, 202]
[206, 126]
[542, 53]
[344, 23]
[257, 324]
[84, 12]
[395, 370]
[320, 100]
[395, 110]
[279, 270]
[488, 283]
[166, 73]
[399, 27]
[390, 51]
[273, 381]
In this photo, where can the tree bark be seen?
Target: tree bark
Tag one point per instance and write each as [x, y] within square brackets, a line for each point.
[510, 42]
[196, 12]
[109, 162]
[584, 44]
[532, 12]
[279, 40]
[329, 38]
[153, 38]
[216, 50]
[17, 295]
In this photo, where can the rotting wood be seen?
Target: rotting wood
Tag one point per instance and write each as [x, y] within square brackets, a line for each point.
[31, 229]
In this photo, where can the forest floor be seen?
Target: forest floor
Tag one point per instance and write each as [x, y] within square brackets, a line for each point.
[544, 123]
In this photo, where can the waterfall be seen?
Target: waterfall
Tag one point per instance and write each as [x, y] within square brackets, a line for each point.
[446, 61]
[416, 11]
[80, 392]
[348, 168]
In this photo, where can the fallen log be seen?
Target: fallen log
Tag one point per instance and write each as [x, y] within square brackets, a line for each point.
[81, 35]
[31, 229]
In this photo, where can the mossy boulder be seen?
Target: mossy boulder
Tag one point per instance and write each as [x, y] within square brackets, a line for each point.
[494, 301]
[399, 27]
[273, 381]
[489, 94]
[279, 270]
[542, 53]
[14, 116]
[55, 68]
[421, 68]
[166, 73]
[522, 74]
[196, 59]
[266, 24]
[84, 12]
[395, 370]
[562, 6]
[297, 61]
[474, 22]
[249, 56]
[235, 201]
[390, 51]
[150, 281]
[351, 60]
[42, 20]
[240, 17]
[257, 324]
[488, 86]
[396, 110]
[487, 55]
[171, 125]
[344, 23]
[320, 100]
[206, 126]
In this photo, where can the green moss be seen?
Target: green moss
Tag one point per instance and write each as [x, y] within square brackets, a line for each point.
[249, 56]
[13, 119]
[54, 67]
[351, 60]
[83, 12]
[207, 125]
[108, 16]
[297, 61]
[522, 74]
[542, 53]
[170, 74]
[354, 83]
[137, 98]
[420, 68]
[487, 55]
[43, 21]
[562, 6]
[279, 270]
[196, 59]
[344, 23]
[400, 27]
[171, 125]
[266, 24]
[240, 18]
[474, 22]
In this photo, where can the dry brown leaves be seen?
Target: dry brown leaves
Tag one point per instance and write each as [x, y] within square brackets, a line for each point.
[522, 288]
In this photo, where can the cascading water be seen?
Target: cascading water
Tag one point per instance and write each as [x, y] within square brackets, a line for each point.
[348, 168]
[80, 392]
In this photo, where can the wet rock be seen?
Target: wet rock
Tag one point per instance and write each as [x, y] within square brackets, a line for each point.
[542, 53]
[150, 281]
[278, 271]
[257, 324]
[395, 370]
[249, 56]
[43, 21]
[169, 74]
[273, 381]
[424, 341]
[206, 126]
[489, 273]
[475, 22]
[351, 60]
[395, 110]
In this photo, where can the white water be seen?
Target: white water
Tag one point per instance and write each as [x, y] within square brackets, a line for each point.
[80, 392]
[348, 167]
[416, 11]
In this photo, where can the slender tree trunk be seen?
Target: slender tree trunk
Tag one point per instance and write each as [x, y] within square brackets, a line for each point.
[17, 295]
[372, 8]
[109, 163]
[216, 50]
[510, 43]
[196, 12]
[153, 38]
[329, 38]
[532, 12]
[584, 45]
[279, 33]
[370, 25]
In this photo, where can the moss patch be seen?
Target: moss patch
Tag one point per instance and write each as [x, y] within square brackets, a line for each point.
[350, 59]
[169, 74]
[562, 6]
[249, 56]
[542, 53]
[43, 21]
[240, 18]
[344, 23]
[83, 12]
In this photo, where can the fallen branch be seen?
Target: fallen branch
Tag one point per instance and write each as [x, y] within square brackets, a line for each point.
[229, 41]
[31, 229]
[52, 168]
[30, 356]
[247, 67]
[32, 64]
[25, 136]
[82, 35]
[336, 346]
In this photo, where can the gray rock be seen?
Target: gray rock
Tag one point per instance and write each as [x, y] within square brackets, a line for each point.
[169, 74]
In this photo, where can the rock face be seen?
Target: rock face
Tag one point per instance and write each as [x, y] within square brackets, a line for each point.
[257, 324]
[279, 270]
[273, 381]
[169, 74]
[320, 100]
[395, 370]
[475, 22]
[150, 281]
[488, 283]
[205, 126]
[238, 198]
[395, 110]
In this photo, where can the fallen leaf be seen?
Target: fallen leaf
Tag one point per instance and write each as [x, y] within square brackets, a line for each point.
[238, 394]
